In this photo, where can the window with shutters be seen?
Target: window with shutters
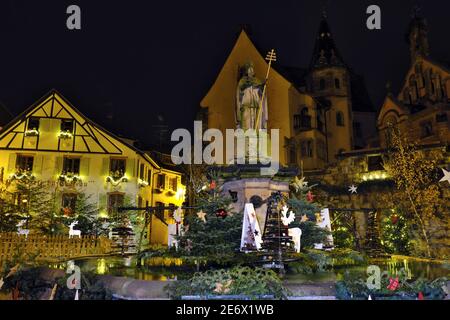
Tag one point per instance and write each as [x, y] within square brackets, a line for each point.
[71, 166]
[24, 163]
[161, 181]
[117, 167]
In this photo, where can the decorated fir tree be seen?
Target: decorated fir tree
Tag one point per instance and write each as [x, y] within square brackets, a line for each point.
[395, 236]
[38, 206]
[213, 231]
[302, 203]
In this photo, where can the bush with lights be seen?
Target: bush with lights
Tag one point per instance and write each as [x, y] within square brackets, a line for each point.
[395, 236]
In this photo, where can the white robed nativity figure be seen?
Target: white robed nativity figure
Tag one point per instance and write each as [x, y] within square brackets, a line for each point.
[249, 99]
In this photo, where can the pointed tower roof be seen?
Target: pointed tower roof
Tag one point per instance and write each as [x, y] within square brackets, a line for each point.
[325, 51]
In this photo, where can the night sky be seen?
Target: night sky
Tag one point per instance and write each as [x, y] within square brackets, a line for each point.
[137, 60]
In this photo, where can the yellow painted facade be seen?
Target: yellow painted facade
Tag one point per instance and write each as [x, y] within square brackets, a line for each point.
[314, 117]
[55, 143]
[283, 99]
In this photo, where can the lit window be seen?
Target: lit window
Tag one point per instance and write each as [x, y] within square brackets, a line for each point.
[69, 201]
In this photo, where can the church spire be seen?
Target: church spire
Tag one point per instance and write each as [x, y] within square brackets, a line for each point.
[417, 36]
[325, 53]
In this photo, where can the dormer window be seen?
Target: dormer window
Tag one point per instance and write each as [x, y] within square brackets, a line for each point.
[67, 126]
[32, 127]
[33, 124]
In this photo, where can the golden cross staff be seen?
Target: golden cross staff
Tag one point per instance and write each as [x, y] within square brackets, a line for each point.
[271, 56]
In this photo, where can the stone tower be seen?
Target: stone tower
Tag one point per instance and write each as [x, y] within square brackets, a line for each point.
[329, 79]
[417, 37]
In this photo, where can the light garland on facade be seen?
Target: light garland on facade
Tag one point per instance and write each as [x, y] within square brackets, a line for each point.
[116, 182]
[69, 177]
[377, 175]
[22, 175]
[65, 135]
[31, 133]
[143, 183]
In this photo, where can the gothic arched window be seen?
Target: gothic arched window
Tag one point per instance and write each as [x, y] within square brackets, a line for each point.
[339, 119]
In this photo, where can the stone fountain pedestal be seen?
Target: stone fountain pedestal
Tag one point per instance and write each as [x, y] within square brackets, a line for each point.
[245, 184]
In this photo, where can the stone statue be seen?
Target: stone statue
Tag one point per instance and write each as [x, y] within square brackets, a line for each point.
[248, 100]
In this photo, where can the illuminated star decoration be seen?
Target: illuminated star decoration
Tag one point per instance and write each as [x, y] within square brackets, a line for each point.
[446, 176]
[299, 184]
[201, 215]
[304, 218]
[353, 189]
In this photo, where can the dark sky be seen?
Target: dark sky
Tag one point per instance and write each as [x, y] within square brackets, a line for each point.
[141, 59]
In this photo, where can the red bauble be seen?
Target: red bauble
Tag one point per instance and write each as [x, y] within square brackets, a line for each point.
[212, 185]
[221, 213]
[394, 219]
[310, 196]
[420, 296]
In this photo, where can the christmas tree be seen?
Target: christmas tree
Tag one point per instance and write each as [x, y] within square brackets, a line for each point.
[213, 231]
[307, 211]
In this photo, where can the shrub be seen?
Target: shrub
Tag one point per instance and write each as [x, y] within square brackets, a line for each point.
[236, 281]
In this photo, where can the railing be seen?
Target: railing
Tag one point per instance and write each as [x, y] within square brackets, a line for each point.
[56, 247]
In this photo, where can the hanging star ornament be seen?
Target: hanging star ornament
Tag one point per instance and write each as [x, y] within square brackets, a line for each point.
[446, 176]
[304, 218]
[201, 215]
[353, 189]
